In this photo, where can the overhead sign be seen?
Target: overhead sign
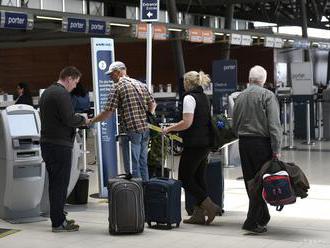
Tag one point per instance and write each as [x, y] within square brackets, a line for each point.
[235, 39]
[102, 56]
[16, 20]
[269, 42]
[149, 10]
[246, 40]
[160, 31]
[279, 43]
[305, 44]
[200, 35]
[81, 25]
[195, 35]
[98, 27]
[76, 25]
[208, 36]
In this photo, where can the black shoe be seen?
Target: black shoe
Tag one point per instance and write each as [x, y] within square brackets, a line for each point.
[255, 230]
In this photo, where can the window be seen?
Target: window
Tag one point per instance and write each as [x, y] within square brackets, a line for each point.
[131, 13]
[53, 5]
[9, 2]
[33, 4]
[96, 8]
[74, 6]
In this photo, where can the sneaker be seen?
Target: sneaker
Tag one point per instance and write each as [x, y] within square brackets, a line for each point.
[66, 227]
[70, 222]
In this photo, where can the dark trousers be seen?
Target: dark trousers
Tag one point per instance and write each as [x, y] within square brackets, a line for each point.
[58, 164]
[254, 152]
[192, 171]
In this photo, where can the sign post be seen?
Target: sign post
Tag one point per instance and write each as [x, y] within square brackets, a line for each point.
[224, 78]
[149, 13]
[102, 56]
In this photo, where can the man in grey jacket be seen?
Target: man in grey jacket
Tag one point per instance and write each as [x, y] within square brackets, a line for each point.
[257, 124]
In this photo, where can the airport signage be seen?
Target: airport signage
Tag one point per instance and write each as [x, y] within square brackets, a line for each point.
[102, 50]
[235, 39]
[76, 25]
[302, 78]
[279, 43]
[98, 27]
[160, 31]
[16, 20]
[224, 78]
[149, 10]
[304, 44]
[246, 40]
[269, 42]
[200, 35]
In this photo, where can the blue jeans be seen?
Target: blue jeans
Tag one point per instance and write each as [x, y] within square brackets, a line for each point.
[139, 150]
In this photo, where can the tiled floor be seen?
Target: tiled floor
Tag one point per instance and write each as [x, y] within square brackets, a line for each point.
[304, 224]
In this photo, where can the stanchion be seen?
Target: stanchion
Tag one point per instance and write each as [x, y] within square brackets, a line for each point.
[319, 123]
[285, 117]
[226, 157]
[308, 126]
[291, 125]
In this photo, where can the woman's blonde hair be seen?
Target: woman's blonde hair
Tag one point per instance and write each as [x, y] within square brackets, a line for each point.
[192, 79]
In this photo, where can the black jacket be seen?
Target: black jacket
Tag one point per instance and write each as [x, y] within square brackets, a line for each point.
[298, 179]
[24, 99]
[58, 120]
[197, 135]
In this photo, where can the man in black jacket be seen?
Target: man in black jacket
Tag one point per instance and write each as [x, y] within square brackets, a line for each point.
[58, 123]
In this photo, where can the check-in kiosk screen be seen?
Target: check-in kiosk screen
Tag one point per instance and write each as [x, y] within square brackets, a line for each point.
[22, 125]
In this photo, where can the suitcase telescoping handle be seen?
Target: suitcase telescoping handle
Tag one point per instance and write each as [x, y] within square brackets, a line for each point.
[118, 138]
[163, 136]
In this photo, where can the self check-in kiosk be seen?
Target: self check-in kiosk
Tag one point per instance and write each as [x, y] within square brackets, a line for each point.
[22, 172]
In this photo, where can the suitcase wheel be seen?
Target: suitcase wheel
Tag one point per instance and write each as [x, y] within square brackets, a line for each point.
[177, 224]
[169, 225]
[149, 224]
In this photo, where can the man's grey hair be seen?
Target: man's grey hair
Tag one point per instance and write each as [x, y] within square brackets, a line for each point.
[257, 75]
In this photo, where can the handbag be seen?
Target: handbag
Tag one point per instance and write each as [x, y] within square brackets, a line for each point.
[151, 118]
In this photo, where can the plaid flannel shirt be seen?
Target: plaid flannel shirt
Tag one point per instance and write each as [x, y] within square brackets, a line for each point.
[124, 95]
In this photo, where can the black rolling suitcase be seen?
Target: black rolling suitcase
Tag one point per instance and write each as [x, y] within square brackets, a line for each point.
[126, 208]
[163, 199]
[215, 186]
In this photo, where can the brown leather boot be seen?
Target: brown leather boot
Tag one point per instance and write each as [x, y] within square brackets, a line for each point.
[210, 208]
[197, 217]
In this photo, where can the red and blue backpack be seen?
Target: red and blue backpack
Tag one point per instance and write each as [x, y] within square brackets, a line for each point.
[277, 189]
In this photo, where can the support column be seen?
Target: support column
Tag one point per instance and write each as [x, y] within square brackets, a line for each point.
[177, 45]
[225, 53]
[304, 27]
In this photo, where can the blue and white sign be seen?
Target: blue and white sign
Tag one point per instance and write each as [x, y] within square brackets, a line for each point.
[76, 25]
[102, 56]
[14, 20]
[98, 27]
[224, 79]
[149, 10]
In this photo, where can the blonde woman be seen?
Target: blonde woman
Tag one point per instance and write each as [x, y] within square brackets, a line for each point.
[195, 125]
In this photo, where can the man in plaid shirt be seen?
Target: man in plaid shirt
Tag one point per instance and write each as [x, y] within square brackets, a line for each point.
[132, 99]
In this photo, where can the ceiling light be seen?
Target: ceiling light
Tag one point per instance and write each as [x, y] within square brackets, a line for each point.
[175, 29]
[219, 34]
[49, 18]
[120, 25]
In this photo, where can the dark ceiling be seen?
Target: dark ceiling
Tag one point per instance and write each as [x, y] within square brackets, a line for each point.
[282, 12]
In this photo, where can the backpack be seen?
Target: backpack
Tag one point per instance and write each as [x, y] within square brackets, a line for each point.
[277, 189]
